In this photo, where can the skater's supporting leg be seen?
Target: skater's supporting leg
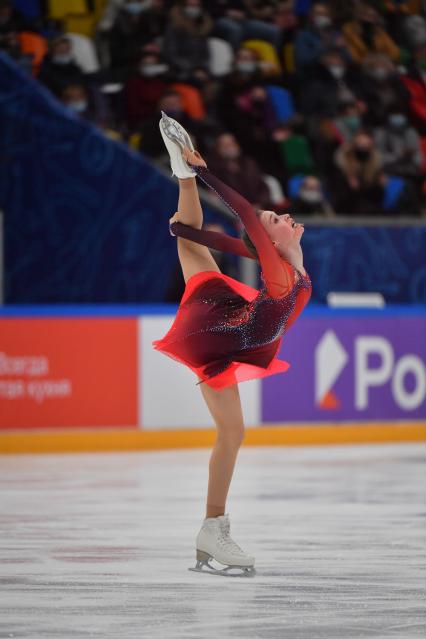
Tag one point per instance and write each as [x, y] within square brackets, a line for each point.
[225, 408]
[193, 257]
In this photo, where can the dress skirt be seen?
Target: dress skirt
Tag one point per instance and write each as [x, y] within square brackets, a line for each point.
[214, 333]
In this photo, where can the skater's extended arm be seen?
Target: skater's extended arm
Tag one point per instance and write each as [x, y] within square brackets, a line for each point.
[278, 274]
[212, 239]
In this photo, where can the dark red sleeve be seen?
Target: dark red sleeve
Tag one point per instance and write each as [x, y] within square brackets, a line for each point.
[278, 274]
[212, 239]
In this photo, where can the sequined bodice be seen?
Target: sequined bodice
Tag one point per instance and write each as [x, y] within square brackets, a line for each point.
[264, 319]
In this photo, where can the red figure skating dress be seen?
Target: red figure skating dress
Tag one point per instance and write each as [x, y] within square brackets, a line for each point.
[225, 331]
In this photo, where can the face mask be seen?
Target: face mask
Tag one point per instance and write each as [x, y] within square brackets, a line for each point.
[353, 122]
[230, 154]
[246, 66]
[62, 58]
[192, 12]
[78, 106]
[322, 22]
[310, 196]
[378, 73]
[397, 120]
[362, 154]
[151, 70]
[135, 8]
[336, 71]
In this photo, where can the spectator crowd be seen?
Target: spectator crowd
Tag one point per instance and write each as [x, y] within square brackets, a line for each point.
[318, 108]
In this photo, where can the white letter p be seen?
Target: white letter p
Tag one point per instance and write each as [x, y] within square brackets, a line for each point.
[366, 377]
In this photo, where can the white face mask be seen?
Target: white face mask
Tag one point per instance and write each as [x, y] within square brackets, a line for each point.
[78, 106]
[246, 66]
[230, 154]
[62, 58]
[310, 196]
[336, 71]
[192, 12]
[151, 70]
[135, 8]
[322, 22]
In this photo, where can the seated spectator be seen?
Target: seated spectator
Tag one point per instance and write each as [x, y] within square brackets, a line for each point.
[250, 117]
[415, 83]
[399, 145]
[58, 69]
[10, 44]
[185, 40]
[11, 20]
[319, 36]
[228, 163]
[357, 187]
[86, 104]
[332, 83]
[144, 89]
[380, 87]
[137, 23]
[310, 199]
[331, 133]
[238, 20]
[171, 103]
[365, 34]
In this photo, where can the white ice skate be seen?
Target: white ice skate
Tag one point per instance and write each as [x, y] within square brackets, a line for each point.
[176, 139]
[214, 543]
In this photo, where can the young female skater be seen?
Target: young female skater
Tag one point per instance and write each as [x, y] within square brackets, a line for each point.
[225, 331]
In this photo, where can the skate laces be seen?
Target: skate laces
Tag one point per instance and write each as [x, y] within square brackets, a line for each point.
[226, 541]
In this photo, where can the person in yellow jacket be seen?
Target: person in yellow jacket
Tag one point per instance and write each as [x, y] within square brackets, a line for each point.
[365, 34]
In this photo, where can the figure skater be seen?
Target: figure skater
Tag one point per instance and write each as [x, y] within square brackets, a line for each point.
[225, 331]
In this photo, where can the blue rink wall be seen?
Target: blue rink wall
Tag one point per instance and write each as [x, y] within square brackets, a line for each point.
[71, 374]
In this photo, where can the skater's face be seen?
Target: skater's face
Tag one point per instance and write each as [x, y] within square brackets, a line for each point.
[282, 229]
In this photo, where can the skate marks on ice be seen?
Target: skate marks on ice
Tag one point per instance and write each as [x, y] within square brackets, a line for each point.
[99, 545]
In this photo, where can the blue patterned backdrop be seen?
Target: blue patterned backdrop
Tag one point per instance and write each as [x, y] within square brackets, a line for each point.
[86, 218]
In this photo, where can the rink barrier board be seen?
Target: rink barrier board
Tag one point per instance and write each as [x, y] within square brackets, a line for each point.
[147, 425]
[274, 435]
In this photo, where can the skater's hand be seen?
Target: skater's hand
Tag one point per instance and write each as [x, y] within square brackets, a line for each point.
[173, 219]
[193, 157]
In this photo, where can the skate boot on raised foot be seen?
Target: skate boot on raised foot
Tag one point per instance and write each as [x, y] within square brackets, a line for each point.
[176, 139]
[214, 543]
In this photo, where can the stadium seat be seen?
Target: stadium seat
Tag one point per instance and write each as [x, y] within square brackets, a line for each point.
[297, 155]
[29, 8]
[84, 52]
[275, 189]
[35, 45]
[294, 185]
[221, 56]
[265, 51]
[392, 192]
[282, 102]
[59, 9]
[288, 58]
[192, 100]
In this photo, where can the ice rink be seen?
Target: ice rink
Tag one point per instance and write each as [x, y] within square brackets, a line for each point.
[100, 545]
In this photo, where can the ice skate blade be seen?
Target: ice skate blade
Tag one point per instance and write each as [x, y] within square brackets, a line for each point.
[175, 133]
[203, 565]
[245, 572]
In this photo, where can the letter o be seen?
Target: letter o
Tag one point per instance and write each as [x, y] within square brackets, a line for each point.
[409, 364]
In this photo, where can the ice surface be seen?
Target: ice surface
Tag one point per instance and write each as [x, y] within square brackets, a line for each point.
[100, 545]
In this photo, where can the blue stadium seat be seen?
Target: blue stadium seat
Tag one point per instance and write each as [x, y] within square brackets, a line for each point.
[282, 102]
[392, 192]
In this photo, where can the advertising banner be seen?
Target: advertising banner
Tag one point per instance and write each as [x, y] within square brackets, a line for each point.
[350, 368]
[68, 372]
